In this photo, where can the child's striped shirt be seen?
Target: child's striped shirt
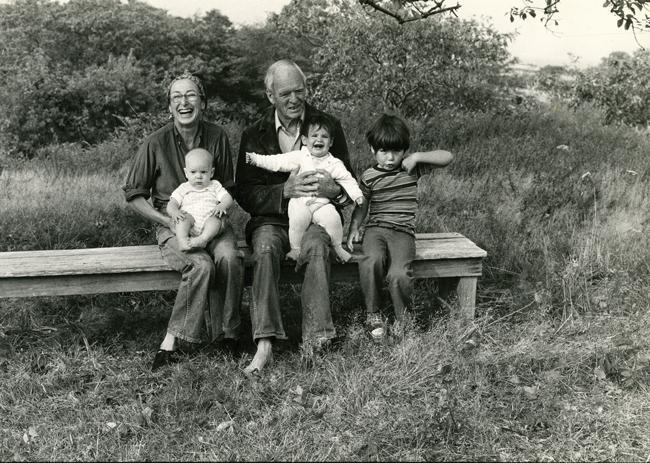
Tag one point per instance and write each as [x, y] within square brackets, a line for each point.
[393, 198]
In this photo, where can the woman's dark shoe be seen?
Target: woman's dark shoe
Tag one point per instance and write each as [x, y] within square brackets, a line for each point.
[164, 358]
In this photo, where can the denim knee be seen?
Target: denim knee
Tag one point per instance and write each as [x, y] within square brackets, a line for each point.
[398, 275]
[203, 266]
[314, 245]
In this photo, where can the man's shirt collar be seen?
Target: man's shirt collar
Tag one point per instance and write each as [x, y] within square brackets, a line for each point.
[278, 123]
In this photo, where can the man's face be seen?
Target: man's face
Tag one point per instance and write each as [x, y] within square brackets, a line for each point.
[318, 141]
[199, 171]
[185, 102]
[288, 94]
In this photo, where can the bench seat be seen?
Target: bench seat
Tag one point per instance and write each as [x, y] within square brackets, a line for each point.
[450, 256]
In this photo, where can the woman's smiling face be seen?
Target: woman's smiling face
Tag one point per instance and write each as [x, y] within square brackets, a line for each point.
[185, 102]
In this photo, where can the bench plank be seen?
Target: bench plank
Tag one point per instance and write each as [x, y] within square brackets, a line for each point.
[147, 258]
[449, 256]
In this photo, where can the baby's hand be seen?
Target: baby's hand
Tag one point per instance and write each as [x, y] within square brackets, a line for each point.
[409, 163]
[359, 201]
[249, 158]
[178, 217]
[219, 211]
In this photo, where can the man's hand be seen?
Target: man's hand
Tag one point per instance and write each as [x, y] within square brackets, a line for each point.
[298, 185]
[327, 187]
[354, 236]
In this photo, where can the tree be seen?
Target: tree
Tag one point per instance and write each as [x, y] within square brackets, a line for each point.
[630, 14]
[73, 71]
[615, 85]
[415, 68]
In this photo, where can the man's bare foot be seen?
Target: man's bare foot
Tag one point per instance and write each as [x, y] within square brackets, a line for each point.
[263, 356]
[342, 254]
[198, 242]
[293, 254]
[184, 244]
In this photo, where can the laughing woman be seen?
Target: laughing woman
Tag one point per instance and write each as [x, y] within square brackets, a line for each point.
[211, 282]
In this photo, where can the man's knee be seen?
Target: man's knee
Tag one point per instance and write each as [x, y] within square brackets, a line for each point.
[267, 244]
[202, 265]
[315, 242]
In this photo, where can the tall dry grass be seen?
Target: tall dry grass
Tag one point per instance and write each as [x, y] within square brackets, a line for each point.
[555, 367]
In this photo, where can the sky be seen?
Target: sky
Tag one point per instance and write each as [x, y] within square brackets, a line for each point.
[586, 32]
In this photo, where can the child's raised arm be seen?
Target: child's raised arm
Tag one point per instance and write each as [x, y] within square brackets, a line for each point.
[436, 158]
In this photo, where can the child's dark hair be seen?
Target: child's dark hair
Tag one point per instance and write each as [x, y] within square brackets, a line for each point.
[320, 120]
[389, 133]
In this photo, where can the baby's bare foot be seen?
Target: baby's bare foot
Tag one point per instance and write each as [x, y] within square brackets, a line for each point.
[293, 254]
[342, 254]
[198, 242]
[184, 244]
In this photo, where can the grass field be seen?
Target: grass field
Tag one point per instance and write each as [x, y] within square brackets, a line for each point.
[555, 367]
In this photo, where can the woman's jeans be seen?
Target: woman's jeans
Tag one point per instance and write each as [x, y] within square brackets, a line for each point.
[270, 244]
[209, 294]
[384, 247]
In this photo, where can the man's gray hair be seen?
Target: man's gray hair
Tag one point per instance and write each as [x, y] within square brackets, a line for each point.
[270, 73]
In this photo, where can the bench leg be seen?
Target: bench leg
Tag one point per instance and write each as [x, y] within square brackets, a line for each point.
[467, 296]
[465, 288]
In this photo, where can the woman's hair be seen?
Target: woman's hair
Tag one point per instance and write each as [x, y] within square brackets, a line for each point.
[320, 120]
[187, 75]
[389, 133]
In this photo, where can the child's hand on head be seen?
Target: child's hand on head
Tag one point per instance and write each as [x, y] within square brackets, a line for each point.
[409, 163]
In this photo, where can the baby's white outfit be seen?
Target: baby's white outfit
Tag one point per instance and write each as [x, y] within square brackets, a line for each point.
[305, 210]
[199, 202]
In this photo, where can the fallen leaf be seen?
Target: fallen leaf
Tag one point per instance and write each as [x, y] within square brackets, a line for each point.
[531, 391]
[111, 425]
[147, 413]
[224, 425]
[600, 373]
[514, 379]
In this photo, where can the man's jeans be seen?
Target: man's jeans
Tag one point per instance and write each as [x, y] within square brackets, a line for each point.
[270, 244]
[209, 294]
[382, 246]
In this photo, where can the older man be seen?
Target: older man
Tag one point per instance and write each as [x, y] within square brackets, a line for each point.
[265, 195]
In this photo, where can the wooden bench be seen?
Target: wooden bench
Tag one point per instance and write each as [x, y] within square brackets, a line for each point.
[448, 256]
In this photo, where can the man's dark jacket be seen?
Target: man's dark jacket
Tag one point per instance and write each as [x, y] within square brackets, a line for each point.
[259, 191]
